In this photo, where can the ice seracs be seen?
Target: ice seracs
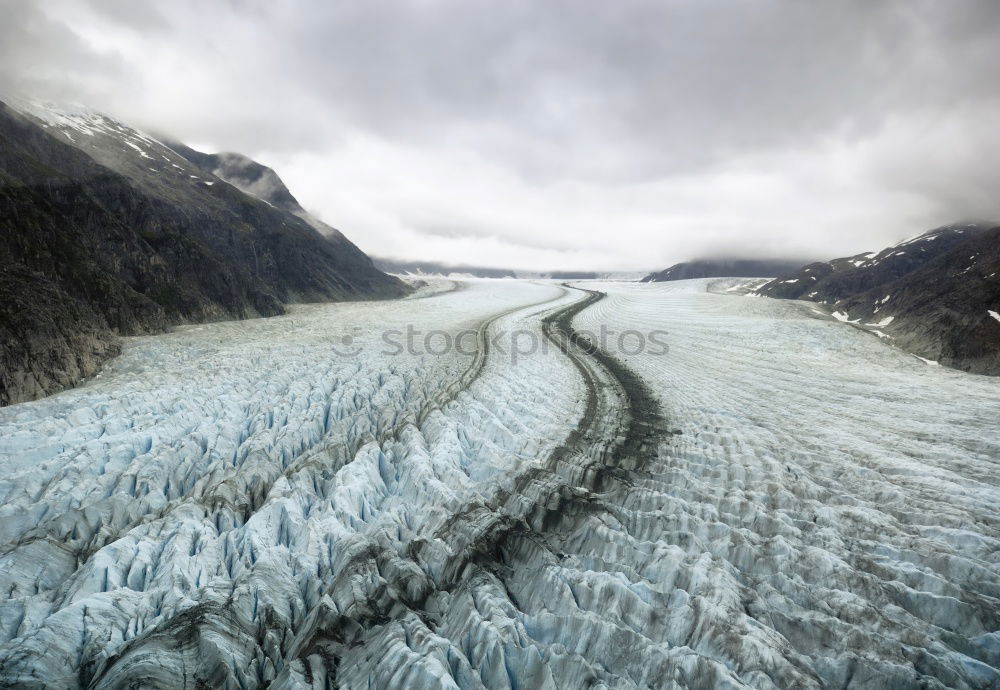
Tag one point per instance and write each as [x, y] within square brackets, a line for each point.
[249, 505]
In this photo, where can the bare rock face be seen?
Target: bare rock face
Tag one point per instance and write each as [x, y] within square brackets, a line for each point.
[106, 231]
[50, 339]
[934, 295]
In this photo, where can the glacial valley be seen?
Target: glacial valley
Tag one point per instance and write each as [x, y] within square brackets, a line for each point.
[471, 487]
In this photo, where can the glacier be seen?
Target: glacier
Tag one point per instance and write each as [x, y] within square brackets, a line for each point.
[779, 500]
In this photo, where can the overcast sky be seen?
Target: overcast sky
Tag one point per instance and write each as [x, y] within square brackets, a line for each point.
[560, 135]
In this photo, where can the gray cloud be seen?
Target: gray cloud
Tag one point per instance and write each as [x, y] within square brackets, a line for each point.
[561, 134]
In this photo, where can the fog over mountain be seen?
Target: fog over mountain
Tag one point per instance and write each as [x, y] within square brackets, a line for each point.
[559, 136]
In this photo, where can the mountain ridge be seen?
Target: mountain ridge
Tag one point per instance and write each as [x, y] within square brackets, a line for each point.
[255, 179]
[933, 295]
[723, 268]
[110, 231]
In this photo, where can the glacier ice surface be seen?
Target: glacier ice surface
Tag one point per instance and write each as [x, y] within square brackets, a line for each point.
[821, 511]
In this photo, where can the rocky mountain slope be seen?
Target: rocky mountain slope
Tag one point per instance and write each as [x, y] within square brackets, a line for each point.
[255, 179]
[724, 268]
[105, 231]
[936, 295]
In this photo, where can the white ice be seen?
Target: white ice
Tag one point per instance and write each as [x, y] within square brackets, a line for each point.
[820, 509]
